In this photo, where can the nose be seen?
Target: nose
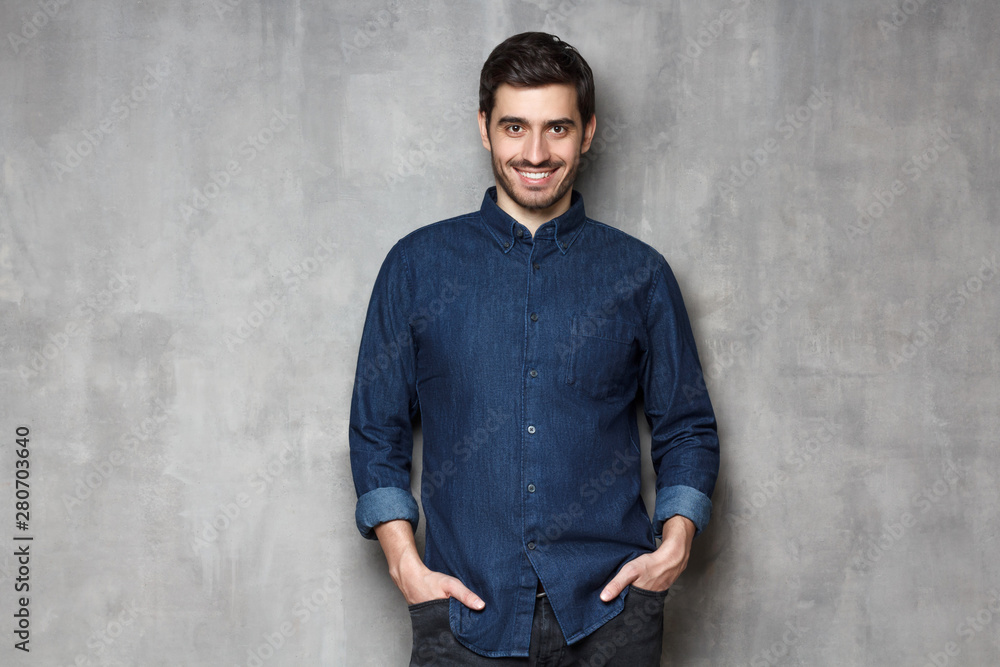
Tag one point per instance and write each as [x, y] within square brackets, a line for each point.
[536, 148]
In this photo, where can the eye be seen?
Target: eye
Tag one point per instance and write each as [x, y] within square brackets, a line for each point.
[514, 128]
[559, 129]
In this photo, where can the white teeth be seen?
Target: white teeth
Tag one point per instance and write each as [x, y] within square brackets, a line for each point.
[535, 176]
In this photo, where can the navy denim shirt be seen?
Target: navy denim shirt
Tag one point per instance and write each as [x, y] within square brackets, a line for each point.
[524, 358]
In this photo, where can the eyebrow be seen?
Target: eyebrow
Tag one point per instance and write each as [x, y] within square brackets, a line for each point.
[515, 120]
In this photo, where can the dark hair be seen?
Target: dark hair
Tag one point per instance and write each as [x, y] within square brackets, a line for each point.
[536, 59]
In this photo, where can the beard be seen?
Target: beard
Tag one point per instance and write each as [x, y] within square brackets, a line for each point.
[529, 199]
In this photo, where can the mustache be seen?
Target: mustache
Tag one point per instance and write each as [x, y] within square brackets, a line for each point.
[548, 164]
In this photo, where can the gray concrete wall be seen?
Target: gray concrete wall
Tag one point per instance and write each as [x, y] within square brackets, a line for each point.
[196, 197]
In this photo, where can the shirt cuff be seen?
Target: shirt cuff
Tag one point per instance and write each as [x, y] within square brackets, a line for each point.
[684, 500]
[385, 504]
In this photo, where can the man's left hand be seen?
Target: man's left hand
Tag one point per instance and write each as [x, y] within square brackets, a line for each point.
[657, 571]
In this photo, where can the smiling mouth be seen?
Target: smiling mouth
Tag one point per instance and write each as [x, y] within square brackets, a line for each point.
[534, 175]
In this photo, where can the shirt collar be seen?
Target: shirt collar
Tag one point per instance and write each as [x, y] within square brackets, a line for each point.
[564, 228]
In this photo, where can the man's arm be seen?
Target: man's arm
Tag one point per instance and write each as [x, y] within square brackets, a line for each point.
[384, 403]
[685, 443]
[383, 406]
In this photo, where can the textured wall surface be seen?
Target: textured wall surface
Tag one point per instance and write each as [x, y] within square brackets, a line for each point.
[196, 197]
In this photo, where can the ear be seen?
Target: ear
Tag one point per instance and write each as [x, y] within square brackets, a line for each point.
[484, 132]
[588, 134]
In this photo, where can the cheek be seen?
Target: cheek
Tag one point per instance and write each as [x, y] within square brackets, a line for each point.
[570, 157]
[504, 154]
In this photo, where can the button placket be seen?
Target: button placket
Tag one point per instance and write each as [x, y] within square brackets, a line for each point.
[531, 386]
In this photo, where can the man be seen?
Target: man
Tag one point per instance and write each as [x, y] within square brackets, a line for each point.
[522, 335]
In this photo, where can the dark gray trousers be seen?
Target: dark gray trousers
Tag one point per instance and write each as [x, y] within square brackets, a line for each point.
[633, 638]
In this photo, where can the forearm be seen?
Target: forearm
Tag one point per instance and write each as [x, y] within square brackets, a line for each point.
[399, 546]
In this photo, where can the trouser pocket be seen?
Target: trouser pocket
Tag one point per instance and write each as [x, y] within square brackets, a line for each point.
[648, 593]
[432, 636]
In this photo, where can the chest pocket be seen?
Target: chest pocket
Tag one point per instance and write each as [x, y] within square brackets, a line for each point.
[601, 360]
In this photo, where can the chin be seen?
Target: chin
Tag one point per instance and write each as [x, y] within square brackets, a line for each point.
[537, 200]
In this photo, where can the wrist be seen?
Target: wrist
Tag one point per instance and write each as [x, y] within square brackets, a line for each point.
[405, 566]
[677, 537]
[679, 527]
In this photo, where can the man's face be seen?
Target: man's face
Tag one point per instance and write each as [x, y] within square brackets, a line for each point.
[536, 138]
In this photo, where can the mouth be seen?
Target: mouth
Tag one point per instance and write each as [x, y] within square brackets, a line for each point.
[535, 177]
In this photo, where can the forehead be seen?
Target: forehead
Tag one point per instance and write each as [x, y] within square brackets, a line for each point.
[536, 103]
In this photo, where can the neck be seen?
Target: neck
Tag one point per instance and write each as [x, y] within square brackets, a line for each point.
[532, 218]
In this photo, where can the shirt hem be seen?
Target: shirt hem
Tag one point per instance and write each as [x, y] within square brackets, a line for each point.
[594, 627]
[575, 637]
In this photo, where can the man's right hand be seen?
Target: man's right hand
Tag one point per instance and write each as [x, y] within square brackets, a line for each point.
[417, 582]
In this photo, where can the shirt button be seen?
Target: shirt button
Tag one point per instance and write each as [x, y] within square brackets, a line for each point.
[520, 233]
[533, 373]
[531, 545]
[531, 488]
[534, 317]
[506, 244]
[536, 265]
[531, 429]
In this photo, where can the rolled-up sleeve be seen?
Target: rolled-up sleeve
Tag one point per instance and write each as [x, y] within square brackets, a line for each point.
[685, 442]
[384, 402]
